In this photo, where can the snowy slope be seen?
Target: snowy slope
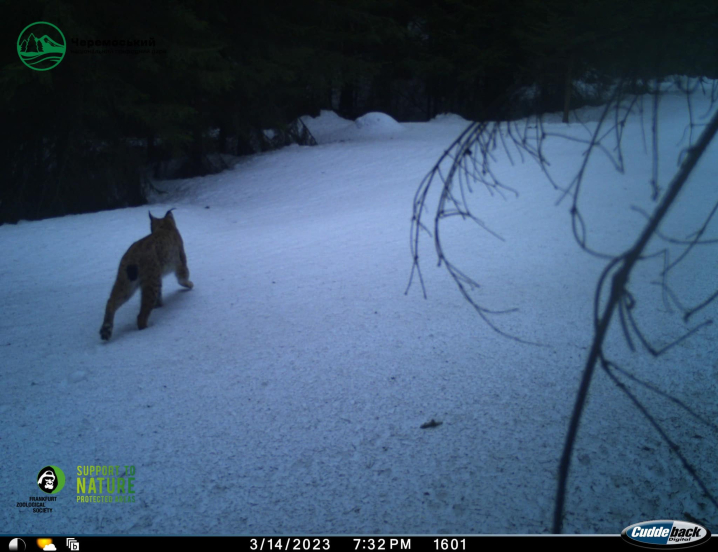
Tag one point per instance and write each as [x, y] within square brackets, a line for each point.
[284, 394]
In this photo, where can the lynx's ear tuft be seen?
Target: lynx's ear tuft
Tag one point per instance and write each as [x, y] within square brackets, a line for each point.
[169, 213]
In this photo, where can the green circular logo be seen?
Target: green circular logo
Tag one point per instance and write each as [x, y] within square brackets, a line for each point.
[51, 479]
[41, 46]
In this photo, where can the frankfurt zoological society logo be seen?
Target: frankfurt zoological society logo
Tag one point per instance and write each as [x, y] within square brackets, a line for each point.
[50, 480]
[41, 46]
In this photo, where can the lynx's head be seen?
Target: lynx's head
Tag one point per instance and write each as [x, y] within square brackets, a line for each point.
[168, 222]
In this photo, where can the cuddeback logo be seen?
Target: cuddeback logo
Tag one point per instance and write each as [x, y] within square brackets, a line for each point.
[665, 534]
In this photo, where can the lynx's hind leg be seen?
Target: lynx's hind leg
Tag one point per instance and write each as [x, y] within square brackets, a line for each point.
[158, 301]
[151, 290]
[123, 289]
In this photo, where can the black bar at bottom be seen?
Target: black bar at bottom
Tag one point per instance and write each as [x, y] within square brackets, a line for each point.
[358, 543]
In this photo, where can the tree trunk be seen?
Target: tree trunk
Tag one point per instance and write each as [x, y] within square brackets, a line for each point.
[568, 88]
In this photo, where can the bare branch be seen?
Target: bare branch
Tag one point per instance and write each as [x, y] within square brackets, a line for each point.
[618, 287]
[673, 446]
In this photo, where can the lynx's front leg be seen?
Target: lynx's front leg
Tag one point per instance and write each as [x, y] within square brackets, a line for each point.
[182, 272]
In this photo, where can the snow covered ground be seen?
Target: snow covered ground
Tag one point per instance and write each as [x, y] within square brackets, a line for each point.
[286, 392]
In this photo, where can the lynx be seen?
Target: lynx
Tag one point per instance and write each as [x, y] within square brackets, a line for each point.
[143, 266]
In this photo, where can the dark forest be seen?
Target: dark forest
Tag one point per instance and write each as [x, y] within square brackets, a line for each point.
[144, 83]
